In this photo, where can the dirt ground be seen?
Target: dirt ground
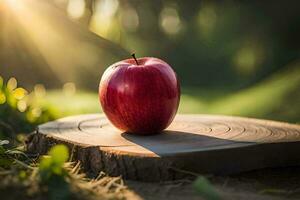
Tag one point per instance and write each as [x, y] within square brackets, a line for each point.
[267, 184]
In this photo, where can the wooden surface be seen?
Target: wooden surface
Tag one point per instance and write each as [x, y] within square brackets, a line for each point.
[196, 143]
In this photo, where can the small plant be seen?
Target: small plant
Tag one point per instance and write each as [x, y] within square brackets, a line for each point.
[52, 164]
[11, 157]
[5, 159]
[53, 178]
[205, 189]
[53, 174]
[18, 111]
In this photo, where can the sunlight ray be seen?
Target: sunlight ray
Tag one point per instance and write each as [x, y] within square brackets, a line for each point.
[58, 40]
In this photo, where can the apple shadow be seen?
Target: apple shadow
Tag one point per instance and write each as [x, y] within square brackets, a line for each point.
[208, 154]
[169, 142]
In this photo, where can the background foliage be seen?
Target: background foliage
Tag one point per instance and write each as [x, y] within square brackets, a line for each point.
[18, 111]
[232, 57]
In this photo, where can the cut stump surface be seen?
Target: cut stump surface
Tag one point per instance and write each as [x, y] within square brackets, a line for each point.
[194, 143]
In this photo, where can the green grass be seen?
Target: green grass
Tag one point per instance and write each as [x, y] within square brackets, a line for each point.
[273, 98]
[63, 105]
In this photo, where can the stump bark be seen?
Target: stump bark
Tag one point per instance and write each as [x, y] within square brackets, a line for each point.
[193, 143]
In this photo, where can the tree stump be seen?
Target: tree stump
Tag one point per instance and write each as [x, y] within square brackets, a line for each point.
[194, 143]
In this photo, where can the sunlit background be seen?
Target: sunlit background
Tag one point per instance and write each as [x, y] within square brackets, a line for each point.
[232, 57]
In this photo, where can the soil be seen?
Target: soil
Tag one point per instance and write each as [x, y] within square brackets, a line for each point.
[267, 184]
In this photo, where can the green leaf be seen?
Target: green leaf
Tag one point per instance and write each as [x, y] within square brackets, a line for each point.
[45, 167]
[206, 189]
[16, 152]
[59, 154]
[3, 142]
[45, 163]
[53, 163]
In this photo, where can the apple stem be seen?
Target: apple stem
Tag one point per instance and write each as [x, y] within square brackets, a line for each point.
[133, 55]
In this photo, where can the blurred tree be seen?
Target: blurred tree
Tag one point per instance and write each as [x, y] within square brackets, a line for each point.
[40, 43]
[211, 44]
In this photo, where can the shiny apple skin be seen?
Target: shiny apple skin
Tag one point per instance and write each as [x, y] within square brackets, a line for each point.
[140, 99]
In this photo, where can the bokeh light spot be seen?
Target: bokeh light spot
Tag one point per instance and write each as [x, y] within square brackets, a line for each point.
[76, 8]
[102, 22]
[19, 93]
[36, 112]
[130, 19]
[248, 58]
[207, 19]
[12, 83]
[69, 89]
[39, 90]
[22, 106]
[61, 2]
[170, 21]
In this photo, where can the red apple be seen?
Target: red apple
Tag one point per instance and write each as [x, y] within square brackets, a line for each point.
[140, 96]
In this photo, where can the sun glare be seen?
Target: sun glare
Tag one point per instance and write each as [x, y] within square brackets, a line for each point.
[76, 8]
[13, 3]
[48, 38]
[14, 7]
